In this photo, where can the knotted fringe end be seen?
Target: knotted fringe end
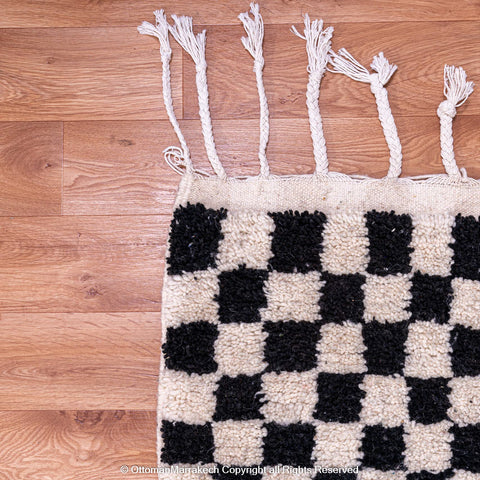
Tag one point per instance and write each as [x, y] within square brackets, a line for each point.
[254, 29]
[318, 43]
[194, 45]
[456, 90]
[160, 31]
[253, 43]
[456, 87]
[384, 69]
[343, 62]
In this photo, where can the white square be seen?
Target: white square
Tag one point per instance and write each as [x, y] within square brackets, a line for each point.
[464, 400]
[431, 237]
[292, 296]
[387, 298]
[341, 348]
[188, 398]
[386, 400]
[338, 444]
[290, 397]
[239, 348]
[345, 244]
[190, 297]
[428, 350]
[238, 443]
[465, 306]
[428, 446]
[246, 240]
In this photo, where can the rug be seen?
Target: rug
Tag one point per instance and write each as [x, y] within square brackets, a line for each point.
[319, 326]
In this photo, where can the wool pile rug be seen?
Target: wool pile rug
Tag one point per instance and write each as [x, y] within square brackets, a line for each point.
[319, 326]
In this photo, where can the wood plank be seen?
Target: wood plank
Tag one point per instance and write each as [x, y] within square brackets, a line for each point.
[83, 73]
[79, 361]
[415, 89]
[81, 264]
[30, 168]
[117, 167]
[60, 445]
[81, 13]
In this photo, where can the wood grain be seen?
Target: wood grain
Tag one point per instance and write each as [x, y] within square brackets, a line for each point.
[82, 73]
[31, 168]
[112, 356]
[86, 198]
[415, 89]
[75, 444]
[81, 263]
[118, 167]
[81, 13]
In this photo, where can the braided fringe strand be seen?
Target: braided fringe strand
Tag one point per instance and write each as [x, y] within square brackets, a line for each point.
[343, 62]
[253, 44]
[318, 44]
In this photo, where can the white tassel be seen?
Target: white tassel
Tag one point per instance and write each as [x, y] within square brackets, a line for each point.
[253, 44]
[194, 45]
[384, 69]
[343, 62]
[318, 44]
[456, 90]
[160, 31]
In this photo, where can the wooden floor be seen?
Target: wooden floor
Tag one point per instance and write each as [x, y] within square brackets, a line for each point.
[85, 197]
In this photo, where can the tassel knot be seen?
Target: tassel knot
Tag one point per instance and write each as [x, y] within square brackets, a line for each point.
[447, 108]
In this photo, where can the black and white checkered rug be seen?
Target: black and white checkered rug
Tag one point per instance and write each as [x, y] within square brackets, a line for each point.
[300, 343]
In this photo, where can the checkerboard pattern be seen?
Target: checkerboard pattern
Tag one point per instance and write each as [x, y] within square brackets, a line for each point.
[305, 339]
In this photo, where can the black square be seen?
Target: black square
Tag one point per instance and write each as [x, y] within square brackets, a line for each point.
[383, 447]
[428, 399]
[191, 348]
[466, 247]
[385, 342]
[184, 443]
[288, 444]
[389, 238]
[424, 475]
[297, 241]
[195, 232]
[239, 398]
[466, 447]
[241, 295]
[465, 343]
[339, 397]
[291, 346]
[431, 297]
[342, 298]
